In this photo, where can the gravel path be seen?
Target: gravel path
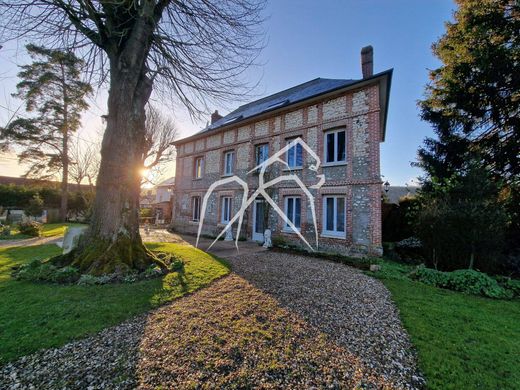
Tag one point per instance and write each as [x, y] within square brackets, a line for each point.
[281, 321]
[30, 241]
[353, 309]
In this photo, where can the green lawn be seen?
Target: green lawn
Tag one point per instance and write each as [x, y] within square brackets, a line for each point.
[49, 230]
[35, 316]
[464, 342]
[57, 229]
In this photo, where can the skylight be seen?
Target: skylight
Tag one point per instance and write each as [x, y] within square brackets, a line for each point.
[278, 104]
[232, 119]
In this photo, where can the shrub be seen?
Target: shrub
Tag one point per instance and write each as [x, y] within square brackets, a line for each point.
[35, 206]
[512, 285]
[172, 261]
[278, 241]
[31, 228]
[90, 280]
[465, 281]
[38, 271]
[5, 230]
[152, 272]
[66, 275]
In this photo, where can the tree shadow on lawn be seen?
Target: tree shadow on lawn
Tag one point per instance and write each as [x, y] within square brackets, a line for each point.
[35, 316]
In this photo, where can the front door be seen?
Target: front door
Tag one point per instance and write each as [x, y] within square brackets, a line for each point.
[258, 220]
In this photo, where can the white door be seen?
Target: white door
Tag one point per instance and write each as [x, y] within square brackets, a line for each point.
[258, 220]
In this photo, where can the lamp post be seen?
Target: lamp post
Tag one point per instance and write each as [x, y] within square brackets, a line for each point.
[386, 186]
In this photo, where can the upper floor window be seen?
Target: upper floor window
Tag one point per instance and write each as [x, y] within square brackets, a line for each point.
[335, 146]
[225, 209]
[334, 215]
[195, 208]
[229, 158]
[198, 167]
[295, 155]
[293, 211]
[261, 153]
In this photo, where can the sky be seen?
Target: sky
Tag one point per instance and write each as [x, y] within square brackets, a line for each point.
[307, 39]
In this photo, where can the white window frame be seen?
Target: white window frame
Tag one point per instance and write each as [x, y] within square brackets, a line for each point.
[286, 226]
[335, 161]
[229, 154]
[199, 163]
[334, 233]
[294, 150]
[225, 209]
[195, 211]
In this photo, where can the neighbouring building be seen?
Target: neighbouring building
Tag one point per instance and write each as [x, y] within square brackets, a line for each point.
[162, 205]
[343, 121]
[394, 194]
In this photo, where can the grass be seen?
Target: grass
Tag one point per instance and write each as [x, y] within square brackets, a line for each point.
[463, 341]
[57, 229]
[49, 230]
[36, 316]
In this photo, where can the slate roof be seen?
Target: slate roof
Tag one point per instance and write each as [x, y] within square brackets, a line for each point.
[280, 99]
[167, 183]
[299, 93]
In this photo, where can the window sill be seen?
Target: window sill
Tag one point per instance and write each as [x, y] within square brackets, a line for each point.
[340, 236]
[192, 222]
[289, 230]
[197, 179]
[334, 164]
[292, 169]
[227, 175]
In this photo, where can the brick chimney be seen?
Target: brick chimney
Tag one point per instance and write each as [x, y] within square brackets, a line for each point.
[367, 61]
[215, 117]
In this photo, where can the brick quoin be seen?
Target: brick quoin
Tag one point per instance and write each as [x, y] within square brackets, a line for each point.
[358, 106]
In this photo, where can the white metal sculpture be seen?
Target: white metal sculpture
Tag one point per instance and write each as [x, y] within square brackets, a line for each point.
[261, 191]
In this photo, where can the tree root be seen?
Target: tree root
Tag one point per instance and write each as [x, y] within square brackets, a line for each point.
[100, 257]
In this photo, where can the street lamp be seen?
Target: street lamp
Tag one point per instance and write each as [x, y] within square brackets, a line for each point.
[386, 186]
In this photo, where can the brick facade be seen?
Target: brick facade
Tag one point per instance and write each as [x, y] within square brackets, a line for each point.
[355, 109]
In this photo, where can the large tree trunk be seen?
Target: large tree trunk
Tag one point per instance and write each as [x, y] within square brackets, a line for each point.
[113, 243]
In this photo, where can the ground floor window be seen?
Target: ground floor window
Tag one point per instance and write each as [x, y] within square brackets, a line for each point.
[293, 211]
[195, 208]
[225, 207]
[334, 215]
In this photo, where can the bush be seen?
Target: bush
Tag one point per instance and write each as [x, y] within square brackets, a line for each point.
[172, 261]
[31, 228]
[465, 281]
[38, 271]
[35, 206]
[90, 280]
[152, 272]
[5, 230]
[66, 275]
[509, 284]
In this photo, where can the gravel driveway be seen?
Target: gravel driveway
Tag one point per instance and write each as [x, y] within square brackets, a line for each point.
[279, 321]
[355, 310]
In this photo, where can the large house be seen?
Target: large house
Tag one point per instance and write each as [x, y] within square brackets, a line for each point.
[342, 121]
